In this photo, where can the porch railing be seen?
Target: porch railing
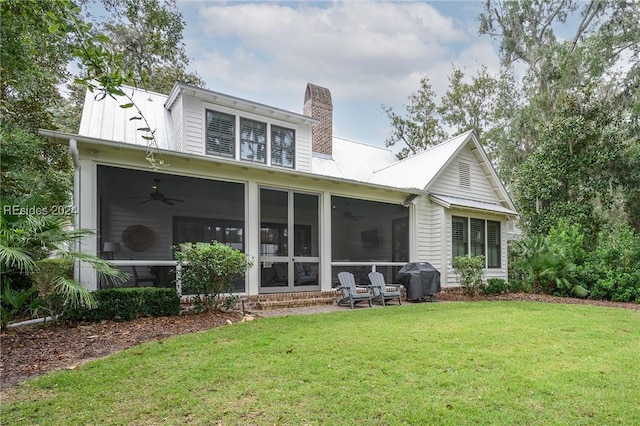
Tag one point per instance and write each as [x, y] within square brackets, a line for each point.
[174, 263]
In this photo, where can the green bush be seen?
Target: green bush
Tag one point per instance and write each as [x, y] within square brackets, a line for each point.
[209, 272]
[495, 286]
[18, 304]
[46, 277]
[559, 264]
[125, 304]
[549, 263]
[470, 270]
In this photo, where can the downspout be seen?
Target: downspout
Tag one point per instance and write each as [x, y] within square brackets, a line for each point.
[75, 156]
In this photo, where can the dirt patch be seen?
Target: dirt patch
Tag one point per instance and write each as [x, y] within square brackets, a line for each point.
[33, 350]
[36, 349]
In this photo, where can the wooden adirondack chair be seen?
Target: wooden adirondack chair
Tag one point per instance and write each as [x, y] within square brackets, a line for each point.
[350, 292]
[382, 291]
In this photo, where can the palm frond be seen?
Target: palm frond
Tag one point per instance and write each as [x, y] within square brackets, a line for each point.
[105, 270]
[73, 293]
[16, 257]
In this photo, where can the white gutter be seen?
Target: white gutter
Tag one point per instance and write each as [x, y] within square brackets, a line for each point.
[75, 155]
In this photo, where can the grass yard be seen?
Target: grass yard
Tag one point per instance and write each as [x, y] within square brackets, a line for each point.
[442, 363]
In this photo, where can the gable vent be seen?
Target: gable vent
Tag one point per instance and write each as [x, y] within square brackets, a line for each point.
[465, 175]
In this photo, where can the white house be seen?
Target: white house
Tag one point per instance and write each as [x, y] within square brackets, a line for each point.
[279, 186]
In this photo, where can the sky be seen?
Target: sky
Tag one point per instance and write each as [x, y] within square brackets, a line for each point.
[368, 54]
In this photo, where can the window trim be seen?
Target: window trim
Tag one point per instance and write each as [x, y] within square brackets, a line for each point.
[282, 149]
[468, 239]
[245, 120]
[206, 133]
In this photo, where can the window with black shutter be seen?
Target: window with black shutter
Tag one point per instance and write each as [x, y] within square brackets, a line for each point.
[493, 244]
[477, 237]
[253, 140]
[459, 233]
[283, 147]
[220, 138]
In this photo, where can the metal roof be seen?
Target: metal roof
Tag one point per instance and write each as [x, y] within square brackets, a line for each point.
[448, 202]
[353, 161]
[106, 119]
[419, 170]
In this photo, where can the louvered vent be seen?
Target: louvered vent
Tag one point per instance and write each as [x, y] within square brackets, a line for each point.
[465, 175]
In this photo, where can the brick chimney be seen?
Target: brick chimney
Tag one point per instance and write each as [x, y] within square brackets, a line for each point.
[317, 104]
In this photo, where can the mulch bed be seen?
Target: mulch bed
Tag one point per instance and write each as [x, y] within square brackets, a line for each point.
[33, 350]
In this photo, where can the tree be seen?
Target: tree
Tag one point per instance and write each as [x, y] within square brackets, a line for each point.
[33, 168]
[481, 104]
[28, 234]
[469, 106]
[33, 61]
[568, 81]
[148, 36]
[420, 128]
[570, 172]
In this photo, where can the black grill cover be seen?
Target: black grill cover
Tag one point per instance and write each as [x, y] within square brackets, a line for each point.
[420, 279]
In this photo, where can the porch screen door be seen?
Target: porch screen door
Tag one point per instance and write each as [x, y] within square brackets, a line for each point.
[289, 229]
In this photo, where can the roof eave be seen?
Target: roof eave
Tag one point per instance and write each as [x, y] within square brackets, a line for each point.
[237, 103]
[63, 138]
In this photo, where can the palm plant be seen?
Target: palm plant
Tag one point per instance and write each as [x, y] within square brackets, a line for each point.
[27, 238]
[548, 267]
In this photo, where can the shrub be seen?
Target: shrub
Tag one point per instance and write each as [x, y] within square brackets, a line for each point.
[124, 304]
[548, 263]
[495, 286]
[18, 304]
[46, 276]
[470, 270]
[613, 268]
[26, 244]
[210, 271]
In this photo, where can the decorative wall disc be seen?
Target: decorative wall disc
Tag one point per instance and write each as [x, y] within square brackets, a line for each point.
[138, 237]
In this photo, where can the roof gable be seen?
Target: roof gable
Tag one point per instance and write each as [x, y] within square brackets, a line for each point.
[418, 171]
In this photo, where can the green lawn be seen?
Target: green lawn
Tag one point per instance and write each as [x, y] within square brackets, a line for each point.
[434, 363]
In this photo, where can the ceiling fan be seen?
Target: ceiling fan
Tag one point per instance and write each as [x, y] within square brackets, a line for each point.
[347, 214]
[156, 195]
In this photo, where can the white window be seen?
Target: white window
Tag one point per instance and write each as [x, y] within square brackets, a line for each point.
[220, 134]
[253, 140]
[283, 147]
[476, 237]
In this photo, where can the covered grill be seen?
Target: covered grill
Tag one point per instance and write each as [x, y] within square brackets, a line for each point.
[420, 279]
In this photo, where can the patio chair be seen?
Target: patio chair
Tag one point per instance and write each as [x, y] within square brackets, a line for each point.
[350, 292]
[382, 291]
[151, 278]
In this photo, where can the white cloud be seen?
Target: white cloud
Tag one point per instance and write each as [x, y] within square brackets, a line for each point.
[371, 51]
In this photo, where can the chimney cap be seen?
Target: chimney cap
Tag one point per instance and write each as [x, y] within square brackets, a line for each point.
[318, 93]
